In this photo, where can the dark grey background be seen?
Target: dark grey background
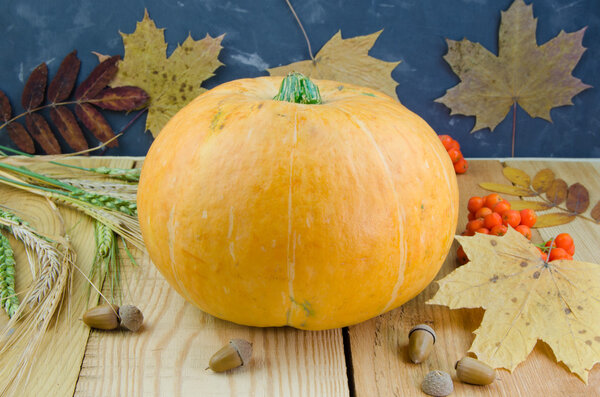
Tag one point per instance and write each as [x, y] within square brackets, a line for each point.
[261, 34]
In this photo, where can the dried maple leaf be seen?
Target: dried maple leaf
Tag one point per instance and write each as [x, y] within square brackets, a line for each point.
[348, 61]
[526, 299]
[171, 82]
[538, 78]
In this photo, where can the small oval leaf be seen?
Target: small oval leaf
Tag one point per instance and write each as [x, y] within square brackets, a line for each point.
[98, 79]
[557, 192]
[5, 109]
[543, 180]
[33, 92]
[578, 198]
[19, 135]
[124, 98]
[96, 123]
[506, 189]
[517, 176]
[65, 122]
[553, 219]
[534, 205]
[41, 132]
[63, 82]
[596, 212]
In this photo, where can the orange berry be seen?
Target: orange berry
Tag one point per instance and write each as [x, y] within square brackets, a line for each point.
[482, 212]
[528, 217]
[565, 241]
[511, 217]
[446, 141]
[471, 216]
[559, 253]
[492, 199]
[499, 230]
[549, 243]
[461, 166]
[461, 256]
[474, 204]
[483, 230]
[501, 206]
[467, 233]
[524, 230]
[542, 254]
[454, 145]
[475, 224]
[492, 220]
[455, 155]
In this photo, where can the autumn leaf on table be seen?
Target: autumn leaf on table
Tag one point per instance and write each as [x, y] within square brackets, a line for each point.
[526, 299]
[348, 61]
[538, 78]
[171, 82]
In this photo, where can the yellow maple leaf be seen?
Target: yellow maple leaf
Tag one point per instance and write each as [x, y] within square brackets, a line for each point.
[348, 61]
[538, 78]
[526, 299]
[171, 82]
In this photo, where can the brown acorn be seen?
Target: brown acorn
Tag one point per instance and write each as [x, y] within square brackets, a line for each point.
[475, 372]
[102, 317]
[234, 354]
[421, 339]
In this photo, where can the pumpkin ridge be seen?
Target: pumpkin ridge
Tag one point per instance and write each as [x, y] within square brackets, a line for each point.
[401, 215]
[291, 264]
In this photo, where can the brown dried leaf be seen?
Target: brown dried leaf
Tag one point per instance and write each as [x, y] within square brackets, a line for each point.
[63, 82]
[506, 189]
[65, 122]
[33, 92]
[543, 180]
[517, 176]
[553, 219]
[98, 79]
[578, 198]
[595, 213]
[534, 205]
[123, 98]
[41, 132]
[557, 192]
[19, 135]
[95, 122]
[5, 109]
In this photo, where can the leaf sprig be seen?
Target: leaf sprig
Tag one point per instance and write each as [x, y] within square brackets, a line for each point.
[551, 192]
[90, 95]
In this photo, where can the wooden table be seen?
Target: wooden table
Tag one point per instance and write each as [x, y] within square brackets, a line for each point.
[169, 356]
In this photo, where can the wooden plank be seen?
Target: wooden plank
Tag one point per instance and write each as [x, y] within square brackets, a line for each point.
[169, 355]
[379, 347]
[59, 360]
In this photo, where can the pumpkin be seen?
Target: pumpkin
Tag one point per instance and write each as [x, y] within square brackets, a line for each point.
[321, 208]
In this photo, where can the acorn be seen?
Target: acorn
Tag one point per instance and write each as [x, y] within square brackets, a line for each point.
[475, 372]
[234, 354]
[102, 317]
[109, 317]
[437, 383]
[421, 339]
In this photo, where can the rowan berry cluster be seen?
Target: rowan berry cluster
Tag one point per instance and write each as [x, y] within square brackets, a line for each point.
[453, 149]
[559, 247]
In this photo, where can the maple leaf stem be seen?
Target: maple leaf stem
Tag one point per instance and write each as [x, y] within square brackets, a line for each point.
[301, 28]
[514, 125]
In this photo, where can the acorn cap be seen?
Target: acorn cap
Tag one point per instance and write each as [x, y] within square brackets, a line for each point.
[243, 348]
[423, 327]
[437, 383]
[131, 317]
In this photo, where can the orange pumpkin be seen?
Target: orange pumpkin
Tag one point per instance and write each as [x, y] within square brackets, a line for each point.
[315, 215]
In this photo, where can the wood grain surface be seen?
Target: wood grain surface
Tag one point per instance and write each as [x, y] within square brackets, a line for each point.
[169, 355]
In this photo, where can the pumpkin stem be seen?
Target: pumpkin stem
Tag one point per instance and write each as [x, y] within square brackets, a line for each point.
[298, 88]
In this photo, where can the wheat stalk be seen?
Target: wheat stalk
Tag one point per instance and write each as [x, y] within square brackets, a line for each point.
[124, 191]
[8, 296]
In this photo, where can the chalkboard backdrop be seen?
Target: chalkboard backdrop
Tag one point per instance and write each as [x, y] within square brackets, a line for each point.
[262, 34]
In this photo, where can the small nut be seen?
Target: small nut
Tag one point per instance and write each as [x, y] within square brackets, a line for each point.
[234, 354]
[421, 339]
[437, 383]
[102, 317]
[131, 317]
[475, 372]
